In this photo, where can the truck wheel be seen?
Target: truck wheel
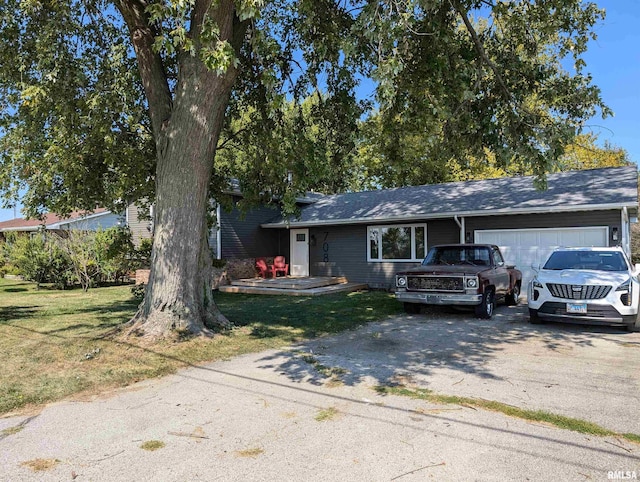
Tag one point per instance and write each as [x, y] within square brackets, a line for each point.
[485, 308]
[513, 298]
[534, 319]
[412, 308]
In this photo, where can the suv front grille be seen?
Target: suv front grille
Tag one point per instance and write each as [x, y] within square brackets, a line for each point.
[435, 283]
[578, 292]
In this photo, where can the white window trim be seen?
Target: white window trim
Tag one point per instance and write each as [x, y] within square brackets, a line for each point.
[415, 257]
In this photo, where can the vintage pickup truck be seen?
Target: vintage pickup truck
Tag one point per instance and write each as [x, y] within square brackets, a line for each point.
[460, 275]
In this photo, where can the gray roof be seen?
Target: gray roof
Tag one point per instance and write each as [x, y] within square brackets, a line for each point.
[593, 189]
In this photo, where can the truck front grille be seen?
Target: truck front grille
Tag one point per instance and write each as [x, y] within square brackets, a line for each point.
[578, 292]
[435, 283]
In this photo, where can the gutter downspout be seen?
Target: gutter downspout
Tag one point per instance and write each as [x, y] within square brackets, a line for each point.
[218, 233]
[460, 223]
[625, 228]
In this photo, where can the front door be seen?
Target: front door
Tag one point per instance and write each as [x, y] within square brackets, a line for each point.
[299, 252]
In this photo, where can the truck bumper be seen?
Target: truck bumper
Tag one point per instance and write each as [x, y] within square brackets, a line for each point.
[439, 298]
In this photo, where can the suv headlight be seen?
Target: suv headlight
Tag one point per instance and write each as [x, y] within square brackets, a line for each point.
[625, 288]
[536, 284]
[401, 281]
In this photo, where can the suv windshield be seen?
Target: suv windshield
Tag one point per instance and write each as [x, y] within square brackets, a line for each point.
[454, 255]
[595, 260]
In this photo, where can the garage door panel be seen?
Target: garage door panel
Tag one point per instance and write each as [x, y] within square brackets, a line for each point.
[547, 238]
[532, 247]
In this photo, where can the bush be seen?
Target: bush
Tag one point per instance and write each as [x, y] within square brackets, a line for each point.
[114, 253]
[138, 291]
[39, 258]
[142, 254]
[88, 258]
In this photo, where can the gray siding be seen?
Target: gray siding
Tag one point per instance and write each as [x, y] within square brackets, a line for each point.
[242, 236]
[345, 248]
[140, 228]
[611, 218]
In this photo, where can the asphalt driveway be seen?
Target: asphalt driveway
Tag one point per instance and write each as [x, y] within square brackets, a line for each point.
[310, 412]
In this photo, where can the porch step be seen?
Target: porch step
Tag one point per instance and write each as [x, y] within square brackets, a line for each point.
[321, 290]
[291, 283]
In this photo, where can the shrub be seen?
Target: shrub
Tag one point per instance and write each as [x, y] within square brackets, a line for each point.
[114, 253]
[142, 254]
[39, 258]
[138, 291]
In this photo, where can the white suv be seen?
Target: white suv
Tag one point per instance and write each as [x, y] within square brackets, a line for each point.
[586, 285]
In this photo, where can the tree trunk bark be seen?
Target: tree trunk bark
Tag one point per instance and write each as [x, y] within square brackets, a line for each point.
[178, 298]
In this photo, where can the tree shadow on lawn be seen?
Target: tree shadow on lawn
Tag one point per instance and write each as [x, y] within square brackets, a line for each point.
[107, 315]
[413, 347]
[12, 313]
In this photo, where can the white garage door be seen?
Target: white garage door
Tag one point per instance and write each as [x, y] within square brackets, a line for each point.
[527, 247]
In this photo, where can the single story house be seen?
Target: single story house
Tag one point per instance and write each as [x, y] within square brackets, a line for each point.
[369, 236]
[100, 218]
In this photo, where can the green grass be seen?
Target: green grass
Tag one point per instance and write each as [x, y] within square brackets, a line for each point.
[327, 414]
[152, 445]
[54, 344]
[560, 421]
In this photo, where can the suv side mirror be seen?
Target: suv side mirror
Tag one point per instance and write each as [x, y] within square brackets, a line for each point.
[636, 267]
[535, 267]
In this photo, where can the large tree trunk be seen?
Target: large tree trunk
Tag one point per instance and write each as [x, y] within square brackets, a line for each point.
[186, 126]
[179, 299]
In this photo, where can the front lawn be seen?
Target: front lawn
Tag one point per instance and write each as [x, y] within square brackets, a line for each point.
[57, 343]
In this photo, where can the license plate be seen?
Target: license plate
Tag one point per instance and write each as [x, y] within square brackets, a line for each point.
[577, 308]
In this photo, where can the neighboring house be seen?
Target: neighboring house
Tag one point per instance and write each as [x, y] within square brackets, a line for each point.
[369, 236]
[100, 218]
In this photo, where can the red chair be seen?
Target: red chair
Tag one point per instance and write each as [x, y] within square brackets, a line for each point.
[263, 269]
[279, 266]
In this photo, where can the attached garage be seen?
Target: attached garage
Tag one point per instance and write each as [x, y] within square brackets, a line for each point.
[531, 247]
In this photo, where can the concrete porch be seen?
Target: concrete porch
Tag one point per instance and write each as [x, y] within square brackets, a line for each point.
[293, 286]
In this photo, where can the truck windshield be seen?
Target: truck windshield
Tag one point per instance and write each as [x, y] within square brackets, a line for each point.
[594, 260]
[454, 255]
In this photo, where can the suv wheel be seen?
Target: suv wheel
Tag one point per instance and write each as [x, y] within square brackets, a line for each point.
[534, 319]
[485, 308]
[635, 326]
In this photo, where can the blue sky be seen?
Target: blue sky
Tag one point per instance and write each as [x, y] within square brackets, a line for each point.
[614, 62]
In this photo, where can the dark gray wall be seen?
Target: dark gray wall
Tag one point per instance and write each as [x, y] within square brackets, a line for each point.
[609, 218]
[346, 250]
[242, 236]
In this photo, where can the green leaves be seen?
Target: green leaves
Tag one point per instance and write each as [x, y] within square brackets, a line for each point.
[449, 98]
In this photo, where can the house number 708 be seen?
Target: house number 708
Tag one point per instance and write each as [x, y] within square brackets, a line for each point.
[325, 248]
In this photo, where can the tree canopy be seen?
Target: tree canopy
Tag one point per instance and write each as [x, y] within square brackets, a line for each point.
[106, 101]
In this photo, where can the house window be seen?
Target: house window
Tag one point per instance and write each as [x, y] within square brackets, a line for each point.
[397, 243]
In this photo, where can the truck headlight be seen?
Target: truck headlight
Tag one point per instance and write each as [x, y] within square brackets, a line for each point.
[472, 282]
[401, 281]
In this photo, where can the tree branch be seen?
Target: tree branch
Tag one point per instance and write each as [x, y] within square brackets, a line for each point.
[479, 48]
[152, 71]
